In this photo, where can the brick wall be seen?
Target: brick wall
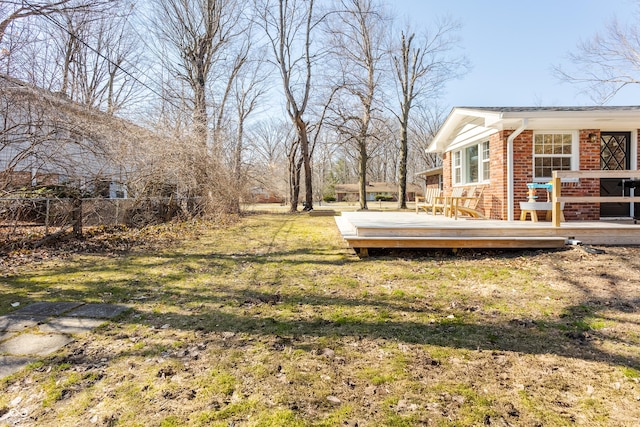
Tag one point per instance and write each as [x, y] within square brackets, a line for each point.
[522, 169]
[494, 203]
[446, 172]
[13, 180]
[495, 195]
[10, 180]
[589, 160]
[433, 181]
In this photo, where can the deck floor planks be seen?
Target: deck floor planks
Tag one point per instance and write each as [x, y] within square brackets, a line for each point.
[410, 230]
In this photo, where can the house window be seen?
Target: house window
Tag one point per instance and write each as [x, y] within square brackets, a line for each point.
[553, 151]
[471, 164]
[457, 167]
[486, 161]
[117, 190]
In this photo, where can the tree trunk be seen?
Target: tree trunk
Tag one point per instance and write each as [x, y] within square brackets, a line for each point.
[362, 146]
[69, 53]
[200, 112]
[237, 169]
[110, 95]
[362, 175]
[304, 148]
[76, 216]
[294, 179]
[402, 170]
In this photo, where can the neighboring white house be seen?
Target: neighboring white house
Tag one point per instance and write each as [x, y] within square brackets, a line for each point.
[45, 139]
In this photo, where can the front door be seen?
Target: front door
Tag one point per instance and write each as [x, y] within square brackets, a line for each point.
[615, 148]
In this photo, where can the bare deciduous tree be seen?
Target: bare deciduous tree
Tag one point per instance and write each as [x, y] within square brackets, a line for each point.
[422, 68]
[249, 88]
[606, 63]
[202, 55]
[423, 130]
[288, 25]
[356, 36]
[12, 11]
[267, 141]
[267, 145]
[96, 51]
[198, 32]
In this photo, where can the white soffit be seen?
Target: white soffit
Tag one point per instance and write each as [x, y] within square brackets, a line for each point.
[605, 119]
[463, 126]
[468, 134]
[577, 123]
[468, 125]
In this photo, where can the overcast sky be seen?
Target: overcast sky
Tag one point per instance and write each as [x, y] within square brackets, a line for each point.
[513, 44]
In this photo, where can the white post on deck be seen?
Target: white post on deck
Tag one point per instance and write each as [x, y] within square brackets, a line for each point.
[555, 194]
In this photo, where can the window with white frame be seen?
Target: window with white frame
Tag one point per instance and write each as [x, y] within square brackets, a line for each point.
[457, 167]
[553, 151]
[471, 164]
[486, 161]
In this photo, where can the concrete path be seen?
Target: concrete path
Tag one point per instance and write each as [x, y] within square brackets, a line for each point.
[43, 328]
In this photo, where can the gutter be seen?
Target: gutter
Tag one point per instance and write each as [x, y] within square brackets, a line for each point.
[510, 177]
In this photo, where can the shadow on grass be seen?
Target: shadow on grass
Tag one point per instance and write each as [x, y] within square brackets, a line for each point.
[220, 308]
[556, 338]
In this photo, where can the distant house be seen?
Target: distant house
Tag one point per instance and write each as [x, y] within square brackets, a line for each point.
[263, 195]
[350, 192]
[431, 178]
[48, 140]
[506, 148]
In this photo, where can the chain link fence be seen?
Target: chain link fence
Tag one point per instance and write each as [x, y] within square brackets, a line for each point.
[57, 213]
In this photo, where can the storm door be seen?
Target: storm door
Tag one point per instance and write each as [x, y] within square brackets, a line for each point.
[615, 149]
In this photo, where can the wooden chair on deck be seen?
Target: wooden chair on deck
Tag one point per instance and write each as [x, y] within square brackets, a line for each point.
[426, 202]
[468, 205]
[443, 203]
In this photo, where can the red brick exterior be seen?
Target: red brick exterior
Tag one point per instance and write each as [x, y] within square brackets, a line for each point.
[495, 195]
[589, 160]
[446, 172]
[10, 180]
[432, 181]
[522, 168]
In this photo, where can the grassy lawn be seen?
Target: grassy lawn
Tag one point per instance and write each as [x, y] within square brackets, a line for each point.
[274, 322]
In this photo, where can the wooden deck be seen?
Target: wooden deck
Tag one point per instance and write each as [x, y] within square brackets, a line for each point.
[364, 230]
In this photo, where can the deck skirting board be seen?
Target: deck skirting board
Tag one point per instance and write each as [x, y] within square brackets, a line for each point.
[447, 242]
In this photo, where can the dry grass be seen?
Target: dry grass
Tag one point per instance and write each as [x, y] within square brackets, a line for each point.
[273, 321]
